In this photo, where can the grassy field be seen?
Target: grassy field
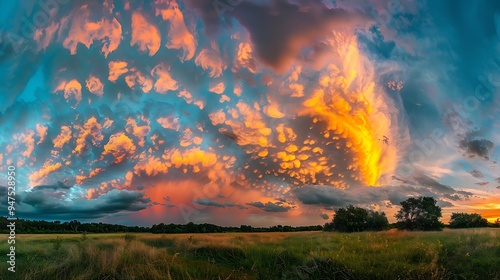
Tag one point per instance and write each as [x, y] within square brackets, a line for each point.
[451, 254]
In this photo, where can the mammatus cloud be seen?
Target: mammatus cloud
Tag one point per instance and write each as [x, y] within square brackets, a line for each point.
[112, 107]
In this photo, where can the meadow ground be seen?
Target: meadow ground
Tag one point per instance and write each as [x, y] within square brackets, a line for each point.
[450, 254]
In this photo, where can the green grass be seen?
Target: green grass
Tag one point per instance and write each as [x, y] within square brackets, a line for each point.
[451, 254]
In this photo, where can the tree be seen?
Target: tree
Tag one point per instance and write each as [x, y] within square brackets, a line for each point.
[328, 227]
[352, 219]
[74, 225]
[419, 213]
[465, 220]
[377, 221]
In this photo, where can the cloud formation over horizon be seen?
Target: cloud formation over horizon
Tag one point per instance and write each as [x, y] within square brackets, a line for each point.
[110, 107]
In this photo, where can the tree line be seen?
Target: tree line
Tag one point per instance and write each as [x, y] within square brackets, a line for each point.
[416, 213]
[210, 228]
[34, 226]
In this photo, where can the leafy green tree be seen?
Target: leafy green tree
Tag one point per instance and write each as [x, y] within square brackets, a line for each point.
[328, 227]
[377, 221]
[353, 218]
[350, 219]
[74, 225]
[419, 213]
[465, 220]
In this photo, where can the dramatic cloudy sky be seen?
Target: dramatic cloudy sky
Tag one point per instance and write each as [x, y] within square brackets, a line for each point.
[256, 112]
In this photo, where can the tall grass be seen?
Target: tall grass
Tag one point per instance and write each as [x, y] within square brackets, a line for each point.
[451, 254]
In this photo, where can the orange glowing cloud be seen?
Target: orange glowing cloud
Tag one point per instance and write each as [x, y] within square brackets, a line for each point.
[245, 59]
[285, 133]
[28, 140]
[357, 113]
[249, 127]
[72, 91]
[217, 88]
[42, 132]
[119, 146]
[44, 36]
[151, 166]
[139, 131]
[178, 34]
[82, 30]
[63, 138]
[210, 59]
[237, 89]
[116, 69]
[164, 82]
[273, 111]
[169, 122]
[192, 157]
[95, 86]
[91, 128]
[144, 34]
[187, 138]
[47, 168]
[297, 90]
[138, 79]
[91, 194]
[218, 117]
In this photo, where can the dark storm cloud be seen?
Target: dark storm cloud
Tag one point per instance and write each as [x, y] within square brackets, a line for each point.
[58, 185]
[468, 136]
[422, 181]
[477, 148]
[323, 195]
[419, 185]
[477, 174]
[282, 28]
[269, 206]
[56, 202]
[442, 203]
[431, 183]
[230, 204]
[209, 202]
[324, 216]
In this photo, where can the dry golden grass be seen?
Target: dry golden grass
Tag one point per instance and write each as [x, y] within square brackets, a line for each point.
[450, 254]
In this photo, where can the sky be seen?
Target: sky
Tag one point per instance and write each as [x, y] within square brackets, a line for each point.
[258, 112]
